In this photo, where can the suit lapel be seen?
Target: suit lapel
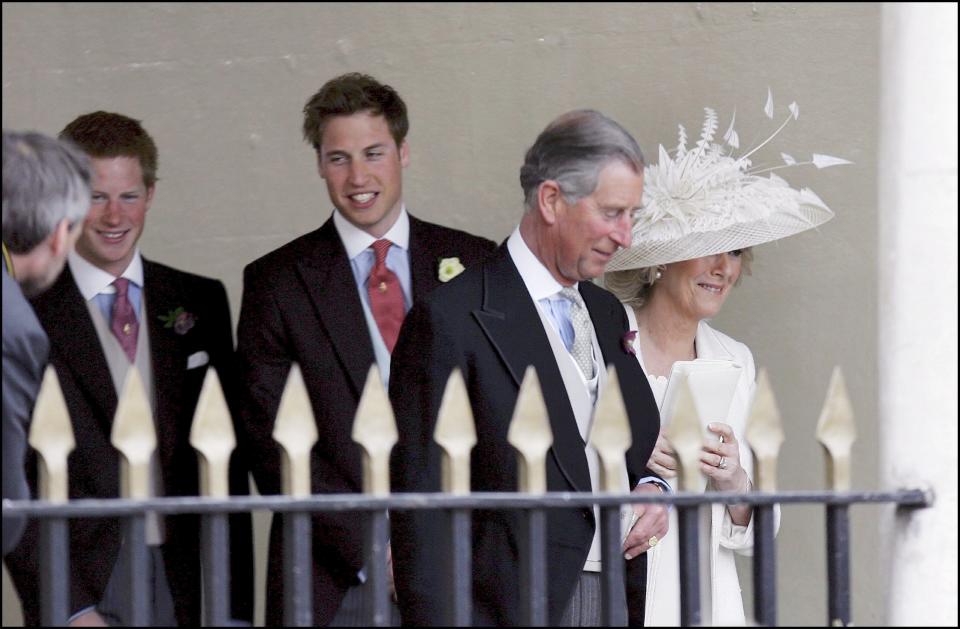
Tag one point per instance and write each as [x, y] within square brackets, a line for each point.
[610, 323]
[710, 346]
[423, 259]
[168, 364]
[509, 318]
[74, 339]
[329, 282]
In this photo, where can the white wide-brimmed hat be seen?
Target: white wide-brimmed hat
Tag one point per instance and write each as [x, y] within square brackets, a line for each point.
[706, 201]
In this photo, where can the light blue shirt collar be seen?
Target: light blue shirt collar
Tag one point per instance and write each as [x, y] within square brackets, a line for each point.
[96, 285]
[356, 241]
[92, 280]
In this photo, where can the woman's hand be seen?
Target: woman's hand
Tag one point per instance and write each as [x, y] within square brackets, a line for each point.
[720, 462]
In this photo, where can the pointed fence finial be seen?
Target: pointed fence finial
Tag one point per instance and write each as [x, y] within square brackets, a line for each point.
[213, 437]
[135, 436]
[836, 432]
[764, 434]
[530, 434]
[456, 434]
[685, 435]
[51, 435]
[296, 432]
[375, 429]
[610, 433]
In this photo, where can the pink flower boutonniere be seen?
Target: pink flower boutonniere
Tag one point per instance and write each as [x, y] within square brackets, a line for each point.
[627, 341]
[180, 320]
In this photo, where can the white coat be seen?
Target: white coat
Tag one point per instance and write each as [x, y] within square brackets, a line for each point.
[663, 574]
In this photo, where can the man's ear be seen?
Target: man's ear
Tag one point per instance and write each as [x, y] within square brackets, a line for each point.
[549, 201]
[404, 154]
[59, 239]
[320, 164]
[149, 199]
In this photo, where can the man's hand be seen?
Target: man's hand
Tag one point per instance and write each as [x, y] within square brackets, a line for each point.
[663, 461]
[651, 522]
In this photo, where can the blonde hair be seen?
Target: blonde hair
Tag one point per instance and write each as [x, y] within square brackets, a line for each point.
[633, 286]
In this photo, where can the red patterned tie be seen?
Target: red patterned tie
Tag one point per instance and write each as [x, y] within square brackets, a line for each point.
[123, 321]
[386, 296]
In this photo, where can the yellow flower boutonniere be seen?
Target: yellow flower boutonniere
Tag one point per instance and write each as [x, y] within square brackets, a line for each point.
[449, 269]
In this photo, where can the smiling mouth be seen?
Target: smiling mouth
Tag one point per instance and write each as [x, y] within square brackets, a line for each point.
[716, 290]
[362, 198]
[114, 235]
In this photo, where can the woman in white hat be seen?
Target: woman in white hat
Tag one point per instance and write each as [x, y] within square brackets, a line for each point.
[703, 211]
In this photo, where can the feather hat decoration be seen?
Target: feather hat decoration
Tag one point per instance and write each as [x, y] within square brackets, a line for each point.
[705, 200]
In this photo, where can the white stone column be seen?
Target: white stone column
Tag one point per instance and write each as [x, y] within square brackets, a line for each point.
[917, 271]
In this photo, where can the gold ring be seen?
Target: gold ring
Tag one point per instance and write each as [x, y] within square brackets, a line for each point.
[652, 541]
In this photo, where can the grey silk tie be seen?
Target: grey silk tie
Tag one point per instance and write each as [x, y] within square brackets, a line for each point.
[582, 348]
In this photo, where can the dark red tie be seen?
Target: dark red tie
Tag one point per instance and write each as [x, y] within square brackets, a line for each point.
[386, 296]
[123, 320]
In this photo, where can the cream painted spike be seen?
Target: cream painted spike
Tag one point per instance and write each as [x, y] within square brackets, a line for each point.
[836, 432]
[610, 433]
[135, 436]
[51, 435]
[212, 436]
[530, 434]
[296, 431]
[685, 435]
[375, 429]
[456, 434]
[764, 434]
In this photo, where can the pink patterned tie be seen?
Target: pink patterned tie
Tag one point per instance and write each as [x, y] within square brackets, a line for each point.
[386, 296]
[123, 321]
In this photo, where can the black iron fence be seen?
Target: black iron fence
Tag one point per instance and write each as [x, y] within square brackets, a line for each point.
[374, 417]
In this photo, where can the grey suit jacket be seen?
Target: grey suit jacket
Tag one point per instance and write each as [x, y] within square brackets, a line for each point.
[25, 351]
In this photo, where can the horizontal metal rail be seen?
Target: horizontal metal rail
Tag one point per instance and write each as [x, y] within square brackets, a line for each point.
[297, 574]
[89, 507]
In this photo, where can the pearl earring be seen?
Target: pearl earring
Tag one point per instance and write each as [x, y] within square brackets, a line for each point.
[658, 275]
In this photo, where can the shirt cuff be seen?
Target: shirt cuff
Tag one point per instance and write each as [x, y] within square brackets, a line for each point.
[80, 613]
[665, 486]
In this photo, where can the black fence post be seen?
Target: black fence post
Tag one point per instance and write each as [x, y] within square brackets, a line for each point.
[764, 566]
[838, 565]
[612, 598]
[376, 568]
[462, 567]
[688, 518]
[298, 569]
[533, 567]
[54, 572]
[216, 559]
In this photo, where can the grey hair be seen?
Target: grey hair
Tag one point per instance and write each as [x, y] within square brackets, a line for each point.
[572, 151]
[633, 286]
[44, 181]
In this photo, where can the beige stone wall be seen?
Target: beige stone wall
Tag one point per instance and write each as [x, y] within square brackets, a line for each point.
[221, 88]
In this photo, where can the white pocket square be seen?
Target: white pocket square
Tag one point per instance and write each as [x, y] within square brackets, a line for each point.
[197, 359]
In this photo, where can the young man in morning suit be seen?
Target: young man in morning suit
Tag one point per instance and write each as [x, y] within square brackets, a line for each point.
[332, 301]
[112, 310]
[530, 303]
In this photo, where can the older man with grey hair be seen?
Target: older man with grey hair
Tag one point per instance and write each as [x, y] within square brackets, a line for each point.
[46, 195]
[530, 304]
